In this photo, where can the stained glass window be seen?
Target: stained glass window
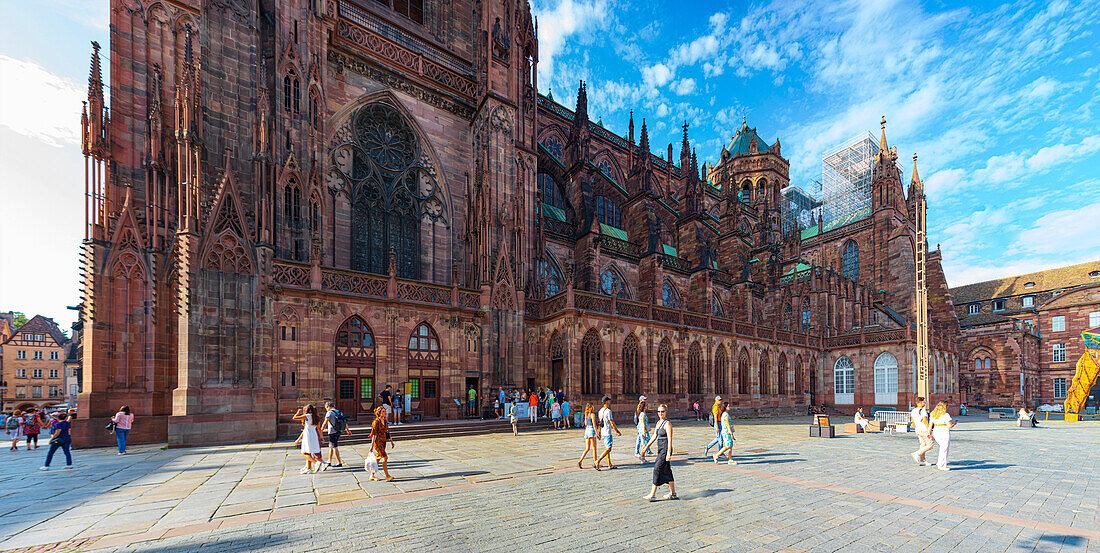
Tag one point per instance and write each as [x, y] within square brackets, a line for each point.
[608, 169]
[553, 145]
[630, 365]
[551, 278]
[806, 312]
[607, 212]
[851, 260]
[590, 363]
[611, 283]
[669, 297]
[665, 378]
[423, 339]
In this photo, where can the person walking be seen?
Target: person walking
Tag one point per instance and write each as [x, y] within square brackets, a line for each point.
[698, 412]
[942, 423]
[513, 416]
[726, 434]
[14, 427]
[919, 416]
[59, 439]
[607, 424]
[641, 420]
[380, 435]
[565, 413]
[31, 427]
[311, 437]
[715, 413]
[555, 415]
[589, 437]
[334, 426]
[124, 421]
[533, 407]
[662, 467]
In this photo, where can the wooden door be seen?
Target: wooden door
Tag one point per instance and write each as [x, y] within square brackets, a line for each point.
[346, 399]
[429, 397]
[556, 369]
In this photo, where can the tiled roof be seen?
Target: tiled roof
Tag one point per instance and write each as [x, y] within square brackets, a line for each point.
[982, 319]
[44, 324]
[1051, 279]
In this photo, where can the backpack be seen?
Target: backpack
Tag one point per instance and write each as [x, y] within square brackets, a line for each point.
[341, 424]
[30, 425]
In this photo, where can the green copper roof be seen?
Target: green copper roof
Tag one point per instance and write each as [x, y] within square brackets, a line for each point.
[810, 232]
[741, 141]
[614, 232]
[553, 212]
[669, 250]
[798, 269]
[852, 217]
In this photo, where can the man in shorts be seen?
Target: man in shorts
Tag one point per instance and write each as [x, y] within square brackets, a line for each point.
[471, 396]
[398, 406]
[387, 401]
[607, 424]
[336, 423]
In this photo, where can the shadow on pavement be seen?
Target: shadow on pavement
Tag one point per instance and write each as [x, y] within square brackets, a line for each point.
[223, 546]
[975, 465]
[699, 494]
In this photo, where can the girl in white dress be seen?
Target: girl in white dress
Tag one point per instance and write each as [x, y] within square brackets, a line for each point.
[311, 437]
[942, 423]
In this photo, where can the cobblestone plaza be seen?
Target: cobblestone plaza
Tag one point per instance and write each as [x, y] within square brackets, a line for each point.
[1010, 489]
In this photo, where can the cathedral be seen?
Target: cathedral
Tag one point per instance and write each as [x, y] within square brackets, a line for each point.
[293, 201]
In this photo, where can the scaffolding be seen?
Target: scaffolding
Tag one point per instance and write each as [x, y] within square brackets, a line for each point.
[846, 181]
[799, 207]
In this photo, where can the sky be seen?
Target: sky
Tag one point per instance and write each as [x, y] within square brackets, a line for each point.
[1000, 101]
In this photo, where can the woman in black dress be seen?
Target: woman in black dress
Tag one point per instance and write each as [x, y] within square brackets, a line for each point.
[662, 468]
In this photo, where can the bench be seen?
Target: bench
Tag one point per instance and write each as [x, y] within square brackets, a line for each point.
[821, 427]
[1001, 412]
[1023, 423]
[852, 428]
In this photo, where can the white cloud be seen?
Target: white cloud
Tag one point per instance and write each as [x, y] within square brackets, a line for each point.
[39, 104]
[1059, 232]
[559, 23]
[684, 87]
[657, 75]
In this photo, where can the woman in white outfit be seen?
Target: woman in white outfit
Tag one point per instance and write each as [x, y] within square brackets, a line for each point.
[311, 437]
[941, 432]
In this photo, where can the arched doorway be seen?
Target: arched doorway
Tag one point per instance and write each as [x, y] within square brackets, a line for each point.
[557, 360]
[355, 368]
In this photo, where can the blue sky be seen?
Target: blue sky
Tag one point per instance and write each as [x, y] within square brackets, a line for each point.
[1000, 101]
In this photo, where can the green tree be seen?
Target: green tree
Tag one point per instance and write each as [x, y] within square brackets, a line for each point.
[20, 319]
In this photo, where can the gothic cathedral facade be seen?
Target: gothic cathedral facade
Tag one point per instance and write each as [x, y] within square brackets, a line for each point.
[291, 201]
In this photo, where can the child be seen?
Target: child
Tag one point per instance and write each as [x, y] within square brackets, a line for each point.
[515, 421]
[698, 414]
[496, 409]
[565, 414]
[555, 413]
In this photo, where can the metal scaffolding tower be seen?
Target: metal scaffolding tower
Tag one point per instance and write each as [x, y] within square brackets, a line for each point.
[846, 181]
[921, 304]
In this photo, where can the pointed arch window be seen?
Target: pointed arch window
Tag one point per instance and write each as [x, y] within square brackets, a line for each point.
[354, 344]
[590, 362]
[744, 379]
[608, 169]
[631, 374]
[392, 186]
[721, 371]
[806, 313]
[607, 212]
[612, 284]
[292, 92]
[553, 145]
[799, 386]
[550, 191]
[552, 281]
[788, 317]
[315, 108]
[851, 260]
[314, 217]
[665, 378]
[765, 376]
[294, 247]
[716, 308]
[782, 373]
[695, 369]
[670, 298]
[886, 379]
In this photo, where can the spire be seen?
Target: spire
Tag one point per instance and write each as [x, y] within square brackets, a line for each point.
[694, 165]
[631, 127]
[916, 179]
[95, 137]
[582, 104]
[643, 143]
[882, 147]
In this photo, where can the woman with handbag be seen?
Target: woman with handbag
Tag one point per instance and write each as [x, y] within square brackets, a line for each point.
[59, 438]
[662, 468]
[123, 421]
[379, 435]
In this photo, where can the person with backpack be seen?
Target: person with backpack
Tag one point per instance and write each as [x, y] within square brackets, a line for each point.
[335, 425]
[14, 427]
[59, 439]
[31, 428]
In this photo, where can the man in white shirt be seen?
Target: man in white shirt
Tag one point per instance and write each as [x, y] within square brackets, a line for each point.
[919, 416]
[607, 425]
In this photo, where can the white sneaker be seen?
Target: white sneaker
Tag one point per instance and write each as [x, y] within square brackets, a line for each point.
[916, 458]
[943, 468]
[69, 467]
[325, 466]
[305, 470]
[43, 468]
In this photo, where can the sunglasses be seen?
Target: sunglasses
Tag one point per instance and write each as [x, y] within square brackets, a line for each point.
[660, 410]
